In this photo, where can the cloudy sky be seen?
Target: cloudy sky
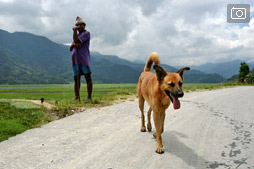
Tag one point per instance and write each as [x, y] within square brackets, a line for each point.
[183, 32]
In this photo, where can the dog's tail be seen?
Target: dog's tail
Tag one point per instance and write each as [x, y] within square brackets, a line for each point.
[153, 58]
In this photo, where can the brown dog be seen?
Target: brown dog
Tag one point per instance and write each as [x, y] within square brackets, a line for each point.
[158, 90]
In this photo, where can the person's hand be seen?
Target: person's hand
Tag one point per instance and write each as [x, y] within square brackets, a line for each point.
[75, 45]
[72, 46]
[75, 28]
[78, 45]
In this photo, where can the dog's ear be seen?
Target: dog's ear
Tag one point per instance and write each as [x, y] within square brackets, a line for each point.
[160, 73]
[182, 70]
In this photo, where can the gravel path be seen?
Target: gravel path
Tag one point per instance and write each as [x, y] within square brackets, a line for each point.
[213, 129]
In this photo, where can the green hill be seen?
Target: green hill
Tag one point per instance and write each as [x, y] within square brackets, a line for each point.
[12, 72]
[30, 59]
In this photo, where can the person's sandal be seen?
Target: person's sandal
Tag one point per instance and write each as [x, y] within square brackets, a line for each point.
[75, 99]
[88, 101]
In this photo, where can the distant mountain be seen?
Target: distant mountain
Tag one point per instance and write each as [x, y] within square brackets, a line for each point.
[226, 69]
[111, 69]
[12, 72]
[30, 59]
[38, 52]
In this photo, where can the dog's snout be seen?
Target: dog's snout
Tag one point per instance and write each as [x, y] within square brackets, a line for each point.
[180, 94]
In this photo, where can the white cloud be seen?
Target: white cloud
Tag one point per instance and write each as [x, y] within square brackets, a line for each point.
[183, 32]
[6, 1]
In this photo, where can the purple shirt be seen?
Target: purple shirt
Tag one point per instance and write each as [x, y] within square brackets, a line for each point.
[82, 53]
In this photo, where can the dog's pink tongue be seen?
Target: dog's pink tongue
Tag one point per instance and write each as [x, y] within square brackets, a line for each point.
[176, 103]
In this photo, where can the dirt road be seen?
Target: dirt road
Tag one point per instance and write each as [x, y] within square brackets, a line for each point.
[213, 129]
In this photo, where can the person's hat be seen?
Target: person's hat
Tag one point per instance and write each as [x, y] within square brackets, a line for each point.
[79, 20]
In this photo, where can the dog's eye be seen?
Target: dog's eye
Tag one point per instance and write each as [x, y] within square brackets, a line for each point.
[172, 84]
[180, 83]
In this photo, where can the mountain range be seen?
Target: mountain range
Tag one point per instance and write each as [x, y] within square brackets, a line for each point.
[226, 69]
[26, 58]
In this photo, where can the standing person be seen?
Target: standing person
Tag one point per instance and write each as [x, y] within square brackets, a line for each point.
[81, 58]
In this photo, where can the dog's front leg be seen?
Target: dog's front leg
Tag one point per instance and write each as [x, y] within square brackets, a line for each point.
[158, 121]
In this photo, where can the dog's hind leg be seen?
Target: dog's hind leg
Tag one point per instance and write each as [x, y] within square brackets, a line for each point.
[141, 107]
[149, 125]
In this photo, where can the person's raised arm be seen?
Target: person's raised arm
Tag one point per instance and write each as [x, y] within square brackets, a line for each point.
[75, 34]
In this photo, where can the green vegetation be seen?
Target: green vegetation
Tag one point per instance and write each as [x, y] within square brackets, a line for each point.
[250, 77]
[16, 116]
[245, 75]
[207, 86]
[244, 70]
[15, 71]
[65, 92]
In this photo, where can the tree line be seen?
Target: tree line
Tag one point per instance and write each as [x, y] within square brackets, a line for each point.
[245, 75]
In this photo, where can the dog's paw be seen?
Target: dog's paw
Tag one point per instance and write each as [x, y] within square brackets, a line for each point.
[160, 150]
[154, 135]
[143, 129]
[149, 127]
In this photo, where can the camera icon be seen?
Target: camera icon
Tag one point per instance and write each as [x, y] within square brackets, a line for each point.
[238, 13]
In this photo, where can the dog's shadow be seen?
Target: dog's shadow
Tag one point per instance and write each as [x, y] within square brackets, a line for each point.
[175, 147]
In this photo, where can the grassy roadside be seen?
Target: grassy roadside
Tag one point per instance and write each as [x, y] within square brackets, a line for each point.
[190, 87]
[18, 116]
